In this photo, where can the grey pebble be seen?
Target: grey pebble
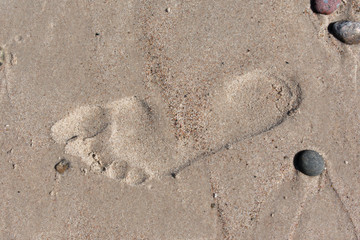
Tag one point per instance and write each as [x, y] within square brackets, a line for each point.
[309, 162]
[346, 31]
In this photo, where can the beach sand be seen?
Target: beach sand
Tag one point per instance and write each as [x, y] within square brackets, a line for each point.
[176, 120]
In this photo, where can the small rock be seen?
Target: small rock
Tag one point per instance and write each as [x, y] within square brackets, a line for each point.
[62, 166]
[309, 162]
[346, 31]
[325, 6]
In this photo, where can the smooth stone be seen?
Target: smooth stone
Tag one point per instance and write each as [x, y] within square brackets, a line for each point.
[346, 31]
[309, 162]
[325, 6]
[62, 166]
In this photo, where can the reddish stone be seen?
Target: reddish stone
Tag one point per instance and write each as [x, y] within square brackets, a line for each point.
[326, 6]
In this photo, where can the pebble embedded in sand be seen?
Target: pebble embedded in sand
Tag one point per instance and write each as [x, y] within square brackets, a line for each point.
[347, 31]
[326, 6]
[62, 166]
[309, 162]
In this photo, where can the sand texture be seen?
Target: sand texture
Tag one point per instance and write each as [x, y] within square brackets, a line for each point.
[176, 120]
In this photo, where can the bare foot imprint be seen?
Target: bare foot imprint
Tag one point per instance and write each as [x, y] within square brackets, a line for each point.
[132, 139]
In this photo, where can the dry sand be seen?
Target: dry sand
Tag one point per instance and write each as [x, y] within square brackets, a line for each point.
[179, 119]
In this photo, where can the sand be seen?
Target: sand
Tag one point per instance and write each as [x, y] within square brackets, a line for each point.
[179, 120]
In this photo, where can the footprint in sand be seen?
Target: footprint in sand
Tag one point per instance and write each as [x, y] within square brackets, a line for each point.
[246, 105]
[133, 140]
